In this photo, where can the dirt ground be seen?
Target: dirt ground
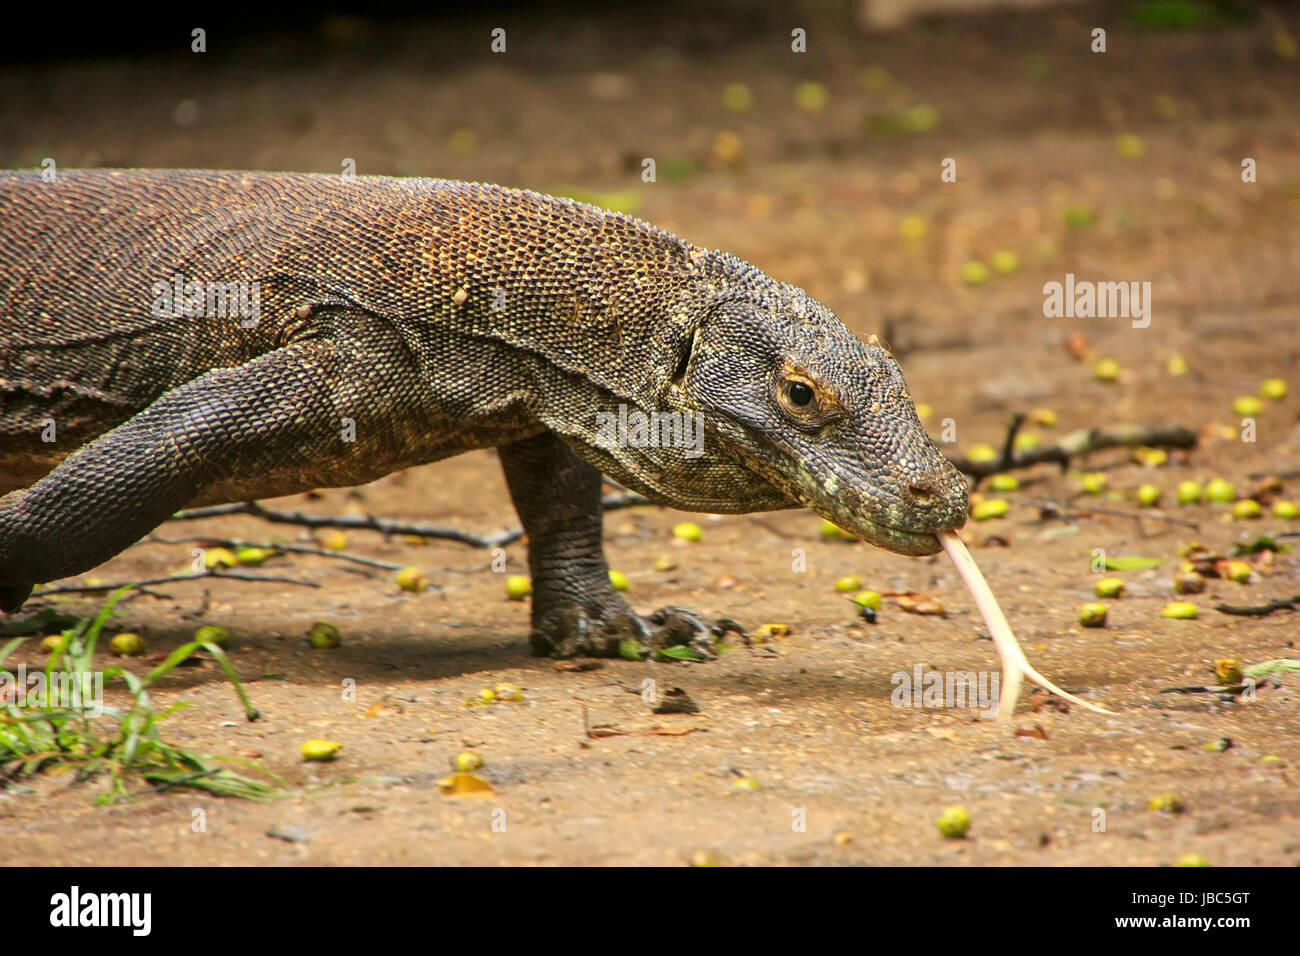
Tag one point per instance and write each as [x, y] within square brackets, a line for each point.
[816, 197]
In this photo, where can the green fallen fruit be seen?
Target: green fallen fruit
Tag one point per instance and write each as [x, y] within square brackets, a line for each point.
[324, 636]
[1131, 563]
[468, 762]
[1247, 509]
[974, 272]
[1273, 388]
[1149, 496]
[1247, 405]
[1094, 483]
[629, 649]
[411, 579]
[127, 645]
[954, 823]
[982, 452]
[1180, 610]
[1221, 490]
[869, 599]
[989, 508]
[1004, 483]
[1167, 803]
[850, 582]
[619, 580]
[1110, 588]
[1093, 614]
[1286, 509]
[1238, 571]
[1228, 670]
[219, 558]
[687, 531]
[319, 749]
[1106, 370]
[52, 643]
[1190, 493]
[252, 557]
[1005, 262]
[213, 634]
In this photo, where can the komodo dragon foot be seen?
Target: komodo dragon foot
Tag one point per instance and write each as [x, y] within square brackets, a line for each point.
[573, 632]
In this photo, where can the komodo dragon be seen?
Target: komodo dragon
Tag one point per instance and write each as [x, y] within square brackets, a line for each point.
[395, 322]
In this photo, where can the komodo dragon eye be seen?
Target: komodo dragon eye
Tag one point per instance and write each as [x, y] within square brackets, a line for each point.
[799, 393]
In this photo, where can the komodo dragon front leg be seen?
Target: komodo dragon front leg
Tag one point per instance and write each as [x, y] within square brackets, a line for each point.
[575, 608]
[276, 422]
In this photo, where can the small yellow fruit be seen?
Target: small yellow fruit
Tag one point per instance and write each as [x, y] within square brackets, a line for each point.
[850, 582]
[1286, 509]
[1167, 803]
[1044, 417]
[127, 645]
[1220, 490]
[746, 783]
[665, 563]
[213, 634]
[1180, 610]
[1025, 441]
[687, 531]
[320, 750]
[1177, 365]
[253, 556]
[1004, 483]
[468, 762]
[811, 97]
[924, 411]
[1130, 146]
[334, 541]
[954, 822]
[1190, 493]
[1106, 370]
[1005, 261]
[981, 452]
[219, 558]
[913, 228]
[52, 643]
[324, 636]
[1228, 670]
[1094, 483]
[974, 273]
[1192, 859]
[737, 97]
[412, 579]
[518, 587]
[869, 599]
[1189, 582]
[1247, 405]
[1110, 588]
[507, 691]
[1149, 496]
[1246, 509]
[989, 508]
[1238, 571]
[619, 580]
[1093, 615]
[1273, 388]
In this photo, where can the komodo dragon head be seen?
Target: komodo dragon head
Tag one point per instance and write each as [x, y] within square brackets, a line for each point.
[797, 412]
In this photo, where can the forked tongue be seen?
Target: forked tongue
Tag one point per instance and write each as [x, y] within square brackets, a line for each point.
[1015, 666]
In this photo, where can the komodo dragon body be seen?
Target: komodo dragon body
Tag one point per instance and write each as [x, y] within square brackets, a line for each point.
[171, 338]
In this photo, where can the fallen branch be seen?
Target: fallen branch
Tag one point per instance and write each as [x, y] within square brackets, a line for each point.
[141, 585]
[1076, 443]
[1260, 610]
[610, 502]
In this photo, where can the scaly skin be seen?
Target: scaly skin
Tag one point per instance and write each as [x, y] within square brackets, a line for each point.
[401, 321]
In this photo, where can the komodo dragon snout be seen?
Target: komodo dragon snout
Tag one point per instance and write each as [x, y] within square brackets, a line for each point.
[825, 418]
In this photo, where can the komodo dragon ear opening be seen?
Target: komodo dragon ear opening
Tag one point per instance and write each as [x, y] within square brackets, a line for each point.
[686, 349]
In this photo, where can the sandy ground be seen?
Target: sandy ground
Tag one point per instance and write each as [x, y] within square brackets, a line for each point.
[817, 197]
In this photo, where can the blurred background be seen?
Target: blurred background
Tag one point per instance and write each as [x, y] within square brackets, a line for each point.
[821, 166]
